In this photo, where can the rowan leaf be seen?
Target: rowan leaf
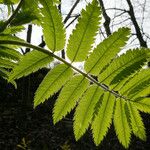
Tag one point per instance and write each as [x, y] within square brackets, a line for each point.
[31, 62]
[69, 96]
[85, 110]
[123, 66]
[53, 28]
[106, 51]
[103, 119]
[52, 82]
[136, 122]
[82, 37]
[121, 123]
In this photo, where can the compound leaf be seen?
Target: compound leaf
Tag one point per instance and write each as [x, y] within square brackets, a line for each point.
[52, 25]
[143, 104]
[83, 35]
[103, 119]
[68, 97]
[124, 66]
[31, 62]
[137, 84]
[106, 51]
[136, 122]
[52, 82]
[85, 110]
[121, 123]
[9, 53]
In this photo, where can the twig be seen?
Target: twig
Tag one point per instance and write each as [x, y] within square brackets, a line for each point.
[106, 17]
[136, 26]
[71, 10]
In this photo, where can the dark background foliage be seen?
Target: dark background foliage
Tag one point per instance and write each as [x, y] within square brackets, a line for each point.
[18, 120]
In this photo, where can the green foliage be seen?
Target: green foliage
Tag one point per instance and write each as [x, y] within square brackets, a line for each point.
[123, 83]
[136, 122]
[107, 50]
[103, 119]
[69, 96]
[8, 2]
[124, 66]
[31, 62]
[51, 22]
[85, 110]
[143, 104]
[52, 82]
[23, 17]
[88, 25]
[9, 53]
[121, 122]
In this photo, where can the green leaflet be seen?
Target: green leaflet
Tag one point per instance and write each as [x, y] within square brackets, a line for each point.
[68, 97]
[13, 30]
[31, 62]
[23, 18]
[121, 123]
[9, 53]
[53, 28]
[85, 110]
[138, 83]
[106, 51]
[7, 2]
[3, 73]
[84, 34]
[103, 119]
[124, 66]
[52, 82]
[5, 37]
[136, 122]
[5, 63]
[143, 104]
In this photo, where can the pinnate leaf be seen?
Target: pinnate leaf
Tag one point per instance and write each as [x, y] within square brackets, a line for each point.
[9, 53]
[106, 51]
[52, 82]
[53, 28]
[121, 123]
[68, 97]
[136, 122]
[142, 104]
[83, 35]
[31, 62]
[103, 119]
[124, 66]
[85, 110]
[5, 63]
[136, 84]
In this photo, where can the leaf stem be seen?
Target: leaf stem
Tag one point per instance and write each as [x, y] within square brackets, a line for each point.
[25, 44]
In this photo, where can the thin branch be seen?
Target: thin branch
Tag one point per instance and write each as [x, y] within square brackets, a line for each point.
[71, 10]
[76, 17]
[124, 10]
[103, 86]
[29, 34]
[106, 17]
[136, 26]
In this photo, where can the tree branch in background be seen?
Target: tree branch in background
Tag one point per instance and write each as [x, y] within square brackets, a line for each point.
[106, 17]
[63, 51]
[71, 10]
[42, 44]
[75, 18]
[29, 34]
[136, 26]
